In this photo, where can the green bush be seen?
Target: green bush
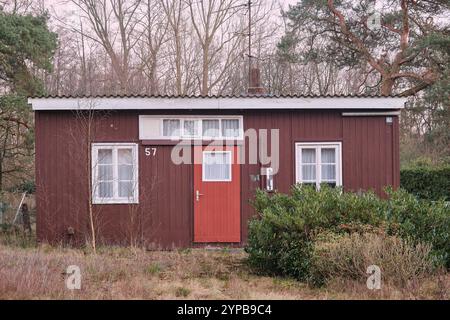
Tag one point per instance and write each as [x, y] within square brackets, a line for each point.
[282, 239]
[421, 221]
[426, 181]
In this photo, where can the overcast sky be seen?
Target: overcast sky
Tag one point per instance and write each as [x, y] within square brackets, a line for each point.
[63, 4]
[59, 6]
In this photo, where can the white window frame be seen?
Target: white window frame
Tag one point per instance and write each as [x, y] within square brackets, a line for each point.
[240, 128]
[199, 118]
[189, 136]
[219, 129]
[318, 146]
[94, 173]
[171, 137]
[230, 172]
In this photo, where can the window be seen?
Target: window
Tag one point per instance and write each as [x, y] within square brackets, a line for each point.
[216, 166]
[114, 173]
[190, 128]
[211, 128]
[171, 127]
[177, 127]
[318, 163]
[230, 128]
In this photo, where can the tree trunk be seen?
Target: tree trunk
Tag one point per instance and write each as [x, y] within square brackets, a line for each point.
[387, 84]
[178, 66]
[153, 81]
[1, 175]
[205, 72]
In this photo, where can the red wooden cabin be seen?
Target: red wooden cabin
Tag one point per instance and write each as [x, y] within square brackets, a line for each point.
[180, 171]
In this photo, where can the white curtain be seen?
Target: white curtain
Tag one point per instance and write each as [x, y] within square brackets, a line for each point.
[210, 128]
[216, 166]
[328, 155]
[230, 128]
[328, 158]
[105, 173]
[171, 128]
[308, 164]
[125, 169]
[105, 189]
[191, 128]
[328, 172]
[104, 156]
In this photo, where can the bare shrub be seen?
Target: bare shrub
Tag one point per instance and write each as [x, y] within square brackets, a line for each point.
[348, 257]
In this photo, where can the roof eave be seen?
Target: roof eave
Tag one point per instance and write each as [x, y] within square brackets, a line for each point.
[225, 103]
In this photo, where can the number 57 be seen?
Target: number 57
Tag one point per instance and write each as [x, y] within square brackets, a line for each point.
[150, 152]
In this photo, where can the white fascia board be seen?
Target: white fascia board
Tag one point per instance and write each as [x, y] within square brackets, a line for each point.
[364, 114]
[140, 103]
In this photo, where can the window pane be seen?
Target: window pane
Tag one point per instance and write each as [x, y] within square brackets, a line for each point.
[171, 128]
[190, 128]
[105, 172]
[328, 172]
[104, 156]
[126, 189]
[328, 155]
[230, 128]
[125, 156]
[105, 189]
[125, 172]
[210, 128]
[308, 172]
[216, 166]
[309, 156]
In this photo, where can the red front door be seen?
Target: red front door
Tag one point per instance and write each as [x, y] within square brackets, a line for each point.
[217, 194]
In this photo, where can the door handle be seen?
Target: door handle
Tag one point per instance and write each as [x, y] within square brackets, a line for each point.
[197, 195]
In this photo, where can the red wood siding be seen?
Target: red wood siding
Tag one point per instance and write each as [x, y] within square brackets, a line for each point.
[164, 215]
[368, 154]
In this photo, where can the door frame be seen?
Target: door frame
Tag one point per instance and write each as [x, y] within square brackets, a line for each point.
[236, 146]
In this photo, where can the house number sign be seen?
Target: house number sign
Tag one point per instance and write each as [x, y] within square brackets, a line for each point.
[150, 152]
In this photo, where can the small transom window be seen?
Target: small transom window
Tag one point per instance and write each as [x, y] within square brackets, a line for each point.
[171, 127]
[208, 127]
[191, 128]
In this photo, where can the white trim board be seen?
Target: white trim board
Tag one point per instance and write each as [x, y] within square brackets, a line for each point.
[367, 114]
[198, 103]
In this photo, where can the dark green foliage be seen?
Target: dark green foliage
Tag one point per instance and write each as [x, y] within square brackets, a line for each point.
[26, 49]
[281, 240]
[421, 221]
[25, 43]
[337, 33]
[427, 182]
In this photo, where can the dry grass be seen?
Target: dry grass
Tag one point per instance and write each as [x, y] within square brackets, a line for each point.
[125, 273]
[402, 263]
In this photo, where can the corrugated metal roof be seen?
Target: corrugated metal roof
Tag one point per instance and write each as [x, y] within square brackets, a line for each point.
[168, 96]
[215, 102]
